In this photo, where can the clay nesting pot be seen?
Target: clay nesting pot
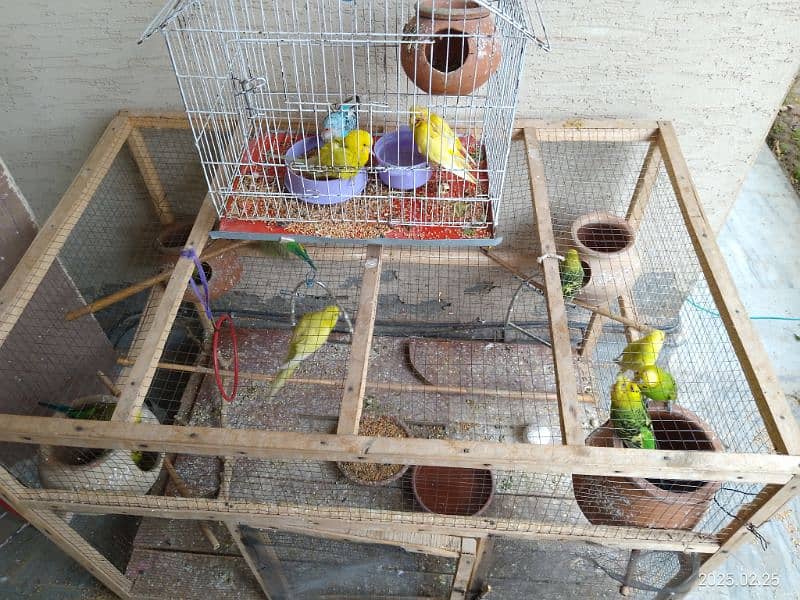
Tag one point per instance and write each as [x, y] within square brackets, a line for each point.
[451, 47]
[222, 272]
[453, 491]
[654, 503]
[606, 245]
[70, 468]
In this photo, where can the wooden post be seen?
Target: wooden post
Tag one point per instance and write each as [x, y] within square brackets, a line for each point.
[566, 378]
[464, 568]
[358, 364]
[781, 425]
[479, 580]
[593, 331]
[147, 168]
[141, 374]
[260, 556]
[31, 269]
[65, 537]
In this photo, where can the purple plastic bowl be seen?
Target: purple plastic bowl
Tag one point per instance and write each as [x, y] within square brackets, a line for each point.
[323, 191]
[404, 168]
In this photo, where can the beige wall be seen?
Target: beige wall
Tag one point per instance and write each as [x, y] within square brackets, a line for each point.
[717, 68]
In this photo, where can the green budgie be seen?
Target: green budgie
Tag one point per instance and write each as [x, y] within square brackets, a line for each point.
[309, 335]
[97, 411]
[571, 271]
[657, 384]
[641, 353]
[287, 246]
[628, 414]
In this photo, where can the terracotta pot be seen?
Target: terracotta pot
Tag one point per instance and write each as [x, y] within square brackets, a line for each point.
[69, 468]
[465, 49]
[453, 491]
[606, 245]
[223, 272]
[654, 503]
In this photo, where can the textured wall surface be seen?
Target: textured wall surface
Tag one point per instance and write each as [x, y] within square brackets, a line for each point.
[717, 68]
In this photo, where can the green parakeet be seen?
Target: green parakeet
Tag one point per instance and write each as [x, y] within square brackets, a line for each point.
[571, 271]
[657, 384]
[628, 414]
[309, 335]
[339, 158]
[97, 411]
[286, 247]
[641, 353]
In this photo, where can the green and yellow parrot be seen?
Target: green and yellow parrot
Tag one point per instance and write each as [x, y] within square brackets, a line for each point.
[340, 158]
[642, 352]
[309, 335]
[436, 140]
[286, 247]
[97, 411]
[571, 271]
[631, 422]
[657, 384]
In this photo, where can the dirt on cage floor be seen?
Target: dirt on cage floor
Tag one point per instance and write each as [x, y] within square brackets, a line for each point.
[784, 137]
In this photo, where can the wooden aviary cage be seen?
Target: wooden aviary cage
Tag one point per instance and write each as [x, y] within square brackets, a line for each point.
[464, 364]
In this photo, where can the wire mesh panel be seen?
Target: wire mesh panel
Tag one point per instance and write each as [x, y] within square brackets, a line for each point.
[276, 93]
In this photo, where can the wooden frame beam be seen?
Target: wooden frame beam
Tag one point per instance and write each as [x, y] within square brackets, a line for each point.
[278, 445]
[464, 569]
[262, 560]
[147, 169]
[566, 378]
[358, 364]
[783, 429]
[65, 537]
[331, 519]
[33, 266]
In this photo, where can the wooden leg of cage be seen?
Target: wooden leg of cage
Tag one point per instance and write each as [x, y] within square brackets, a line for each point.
[625, 589]
[464, 568]
[479, 580]
[260, 556]
[355, 383]
[147, 168]
[65, 537]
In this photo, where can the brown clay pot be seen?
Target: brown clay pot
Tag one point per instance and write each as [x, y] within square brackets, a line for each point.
[465, 49]
[606, 245]
[400, 469]
[222, 272]
[653, 503]
[453, 491]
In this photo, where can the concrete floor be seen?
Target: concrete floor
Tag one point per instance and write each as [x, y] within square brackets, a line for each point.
[761, 244]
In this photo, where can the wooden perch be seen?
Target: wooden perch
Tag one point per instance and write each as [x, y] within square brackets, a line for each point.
[145, 284]
[595, 309]
[184, 491]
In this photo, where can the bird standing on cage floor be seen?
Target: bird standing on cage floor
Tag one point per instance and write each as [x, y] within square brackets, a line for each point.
[436, 140]
[342, 119]
[338, 159]
[629, 415]
[572, 274]
[309, 335]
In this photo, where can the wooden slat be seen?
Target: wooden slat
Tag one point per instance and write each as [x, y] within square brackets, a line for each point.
[65, 537]
[566, 377]
[759, 512]
[358, 363]
[484, 555]
[147, 168]
[262, 560]
[593, 331]
[31, 269]
[644, 185]
[464, 568]
[334, 519]
[781, 425]
[141, 374]
[209, 441]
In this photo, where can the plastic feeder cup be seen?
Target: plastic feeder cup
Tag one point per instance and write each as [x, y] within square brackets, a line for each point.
[403, 167]
[320, 191]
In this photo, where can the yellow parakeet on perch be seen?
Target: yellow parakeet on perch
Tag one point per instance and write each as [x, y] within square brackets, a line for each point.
[440, 145]
[339, 158]
[641, 353]
[309, 335]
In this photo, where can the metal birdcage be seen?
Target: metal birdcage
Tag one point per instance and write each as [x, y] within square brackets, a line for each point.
[259, 79]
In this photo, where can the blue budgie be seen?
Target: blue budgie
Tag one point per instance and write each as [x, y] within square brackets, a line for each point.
[341, 120]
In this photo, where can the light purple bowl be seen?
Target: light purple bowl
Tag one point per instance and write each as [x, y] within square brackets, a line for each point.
[323, 191]
[404, 168]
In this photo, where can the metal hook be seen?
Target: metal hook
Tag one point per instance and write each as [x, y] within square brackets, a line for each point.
[292, 308]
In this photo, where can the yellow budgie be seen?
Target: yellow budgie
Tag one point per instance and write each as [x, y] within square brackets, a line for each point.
[437, 141]
[309, 335]
[340, 158]
[641, 353]
[629, 416]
